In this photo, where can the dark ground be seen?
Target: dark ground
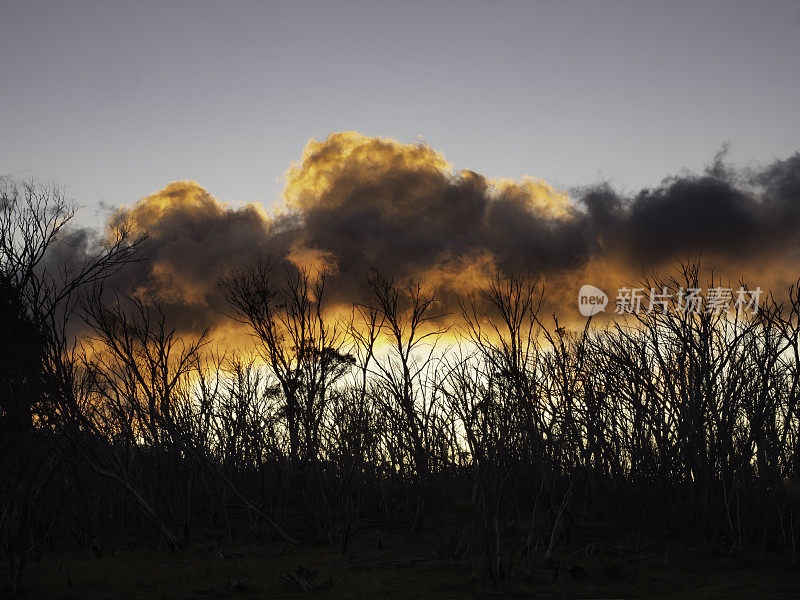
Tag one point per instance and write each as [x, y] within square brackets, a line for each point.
[385, 563]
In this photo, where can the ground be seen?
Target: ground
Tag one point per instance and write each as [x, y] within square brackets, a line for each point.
[386, 563]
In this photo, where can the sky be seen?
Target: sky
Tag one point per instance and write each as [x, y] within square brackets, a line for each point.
[115, 100]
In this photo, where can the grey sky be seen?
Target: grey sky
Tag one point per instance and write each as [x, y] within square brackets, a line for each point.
[114, 100]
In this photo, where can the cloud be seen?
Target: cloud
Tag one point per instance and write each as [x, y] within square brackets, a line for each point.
[369, 203]
[355, 203]
[193, 239]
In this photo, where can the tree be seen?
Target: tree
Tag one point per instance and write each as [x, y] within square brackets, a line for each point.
[304, 351]
[38, 292]
[405, 372]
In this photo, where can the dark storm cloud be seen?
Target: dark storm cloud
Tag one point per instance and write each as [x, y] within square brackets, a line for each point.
[722, 215]
[355, 203]
[192, 241]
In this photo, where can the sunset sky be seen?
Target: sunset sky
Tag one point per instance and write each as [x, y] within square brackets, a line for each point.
[438, 141]
[115, 100]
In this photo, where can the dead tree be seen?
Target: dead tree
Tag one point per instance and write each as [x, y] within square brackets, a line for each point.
[405, 374]
[38, 287]
[303, 349]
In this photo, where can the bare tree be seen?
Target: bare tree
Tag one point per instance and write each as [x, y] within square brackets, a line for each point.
[405, 373]
[303, 349]
[38, 292]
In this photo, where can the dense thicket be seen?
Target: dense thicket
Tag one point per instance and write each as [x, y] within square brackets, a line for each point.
[388, 411]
